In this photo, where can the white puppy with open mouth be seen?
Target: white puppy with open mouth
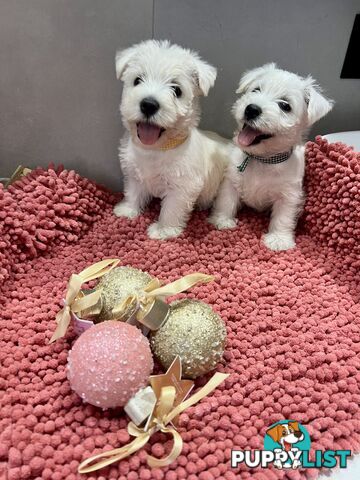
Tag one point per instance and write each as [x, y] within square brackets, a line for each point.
[163, 154]
[266, 170]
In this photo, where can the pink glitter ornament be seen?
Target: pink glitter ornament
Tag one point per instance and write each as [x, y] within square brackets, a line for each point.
[109, 363]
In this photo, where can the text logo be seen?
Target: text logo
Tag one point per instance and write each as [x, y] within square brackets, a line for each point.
[287, 446]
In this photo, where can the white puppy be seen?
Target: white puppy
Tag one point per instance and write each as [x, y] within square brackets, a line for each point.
[163, 154]
[266, 169]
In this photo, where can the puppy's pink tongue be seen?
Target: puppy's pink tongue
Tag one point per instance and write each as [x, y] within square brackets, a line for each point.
[247, 136]
[147, 133]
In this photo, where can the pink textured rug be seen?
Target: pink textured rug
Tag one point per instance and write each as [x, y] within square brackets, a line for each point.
[292, 318]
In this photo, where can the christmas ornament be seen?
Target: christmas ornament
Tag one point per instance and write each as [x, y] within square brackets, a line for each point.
[194, 332]
[147, 305]
[170, 392]
[125, 294]
[115, 286]
[109, 363]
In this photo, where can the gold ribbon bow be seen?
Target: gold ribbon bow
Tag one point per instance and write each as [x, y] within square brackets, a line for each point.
[164, 414]
[76, 305]
[142, 301]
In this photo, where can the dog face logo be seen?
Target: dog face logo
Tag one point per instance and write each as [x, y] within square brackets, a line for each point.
[286, 435]
[290, 437]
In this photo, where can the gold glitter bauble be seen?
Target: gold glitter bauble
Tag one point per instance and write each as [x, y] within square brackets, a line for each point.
[194, 332]
[118, 284]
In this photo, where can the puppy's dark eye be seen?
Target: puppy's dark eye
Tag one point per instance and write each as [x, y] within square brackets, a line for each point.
[177, 91]
[257, 89]
[285, 106]
[137, 81]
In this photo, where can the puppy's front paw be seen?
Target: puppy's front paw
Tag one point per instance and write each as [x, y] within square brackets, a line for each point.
[221, 222]
[122, 209]
[278, 241]
[158, 232]
[296, 464]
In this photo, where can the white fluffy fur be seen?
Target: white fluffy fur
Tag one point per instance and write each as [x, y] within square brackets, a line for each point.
[262, 186]
[186, 175]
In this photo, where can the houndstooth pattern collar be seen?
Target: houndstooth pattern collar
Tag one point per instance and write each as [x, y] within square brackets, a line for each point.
[278, 158]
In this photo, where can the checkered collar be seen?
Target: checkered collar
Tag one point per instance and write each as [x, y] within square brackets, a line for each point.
[278, 158]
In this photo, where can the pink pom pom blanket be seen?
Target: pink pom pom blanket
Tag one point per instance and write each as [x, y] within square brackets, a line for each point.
[293, 324]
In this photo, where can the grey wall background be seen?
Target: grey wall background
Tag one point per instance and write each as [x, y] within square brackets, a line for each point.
[59, 96]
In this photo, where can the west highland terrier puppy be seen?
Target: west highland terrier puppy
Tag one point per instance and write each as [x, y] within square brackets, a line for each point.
[266, 168]
[163, 154]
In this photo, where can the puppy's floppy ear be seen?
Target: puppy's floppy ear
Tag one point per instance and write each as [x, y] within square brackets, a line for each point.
[294, 425]
[205, 75]
[122, 59]
[251, 75]
[317, 105]
[275, 433]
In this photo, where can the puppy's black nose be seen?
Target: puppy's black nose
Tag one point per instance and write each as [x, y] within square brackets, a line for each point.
[252, 111]
[149, 106]
[298, 434]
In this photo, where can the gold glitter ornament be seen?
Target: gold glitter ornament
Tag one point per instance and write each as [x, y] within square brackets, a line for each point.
[118, 284]
[194, 332]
